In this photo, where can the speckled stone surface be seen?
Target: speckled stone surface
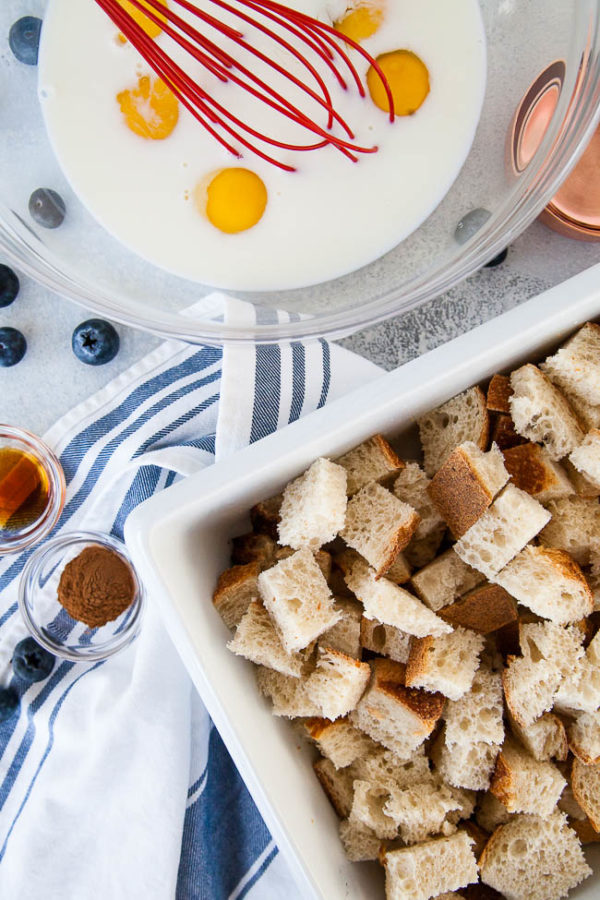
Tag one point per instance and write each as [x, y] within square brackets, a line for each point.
[50, 380]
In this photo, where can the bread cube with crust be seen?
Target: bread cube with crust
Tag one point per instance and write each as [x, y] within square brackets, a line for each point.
[446, 663]
[345, 634]
[532, 469]
[574, 527]
[337, 785]
[313, 509]
[485, 609]
[534, 857]
[430, 868]
[545, 739]
[236, 588]
[411, 486]
[586, 457]
[385, 769]
[575, 367]
[256, 639]
[504, 433]
[524, 784]
[466, 485]
[442, 581]
[360, 843]
[373, 460]
[542, 414]
[513, 519]
[287, 694]
[253, 548]
[338, 740]
[579, 690]
[265, 517]
[385, 640]
[491, 813]
[378, 526]
[469, 764]
[477, 715]
[463, 418]
[499, 393]
[584, 738]
[298, 599]
[585, 784]
[422, 809]
[337, 683]
[368, 809]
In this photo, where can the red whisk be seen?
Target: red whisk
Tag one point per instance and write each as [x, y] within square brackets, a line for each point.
[309, 42]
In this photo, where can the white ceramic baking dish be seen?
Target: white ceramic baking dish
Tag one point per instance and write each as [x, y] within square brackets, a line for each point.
[179, 541]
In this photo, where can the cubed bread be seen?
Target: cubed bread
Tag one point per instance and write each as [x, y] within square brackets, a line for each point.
[469, 764]
[257, 639]
[586, 457]
[524, 784]
[337, 683]
[513, 519]
[499, 393]
[585, 784]
[337, 784]
[421, 810]
[463, 418]
[584, 738]
[264, 516]
[466, 485]
[389, 603]
[477, 715]
[287, 694]
[575, 367]
[360, 843]
[545, 739]
[485, 609]
[569, 804]
[411, 486]
[430, 868]
[252, 547]
[339, 741]
[298, 600]
[532, 469]
[400, 570]
[579, 690]
[397, 716]
[373, 460]
[368, 809]
[504, 434]
[378, 526]
[314, 506]
[534, 858]
[574, 527]
[440, 582]
[385, 769]
[236, 589]
[587, 413]
[542, 414]
[446, 663]
[345, 634]
[582, 486]
[491, 813]
[549, 582]
[385, 640]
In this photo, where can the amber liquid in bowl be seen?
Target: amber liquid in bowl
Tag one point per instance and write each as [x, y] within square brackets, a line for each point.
[24, 490]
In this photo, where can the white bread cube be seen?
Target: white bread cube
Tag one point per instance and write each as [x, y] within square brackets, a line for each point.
[420, 811]
[549, 582]
[575, 368]
[524, 784]
[287, 694]
[513, 519]
[579, 690]
[345, 634]
[314, 506]
[298, 599]
[463, 418]
[430, 868]
[587, 413]
[477, 715]
[373, 460]
[236, 589]
[491, 813]
[385, 640]
[360, 843]
[584, 738]
[446, 663]
[385, 769]
[398, 717]
[400, 570]
[466, 485]
[586, 457]
[585, 784]
[378, 526]
[440, 582]
[469, 764]
[411, 486]
[337, 784]
[337, 683]
[389, 603]
[368, 809]
[545, 739]
[256, 639]
[574, 527]
[542, 414]
[339, 741]
[533, 470]
[534, 858]
[582, 486]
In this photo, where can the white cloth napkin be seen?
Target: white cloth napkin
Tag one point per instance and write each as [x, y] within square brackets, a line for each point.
[113, 782]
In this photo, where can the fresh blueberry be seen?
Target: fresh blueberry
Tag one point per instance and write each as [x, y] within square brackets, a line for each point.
[12, 346]
[497, 259]
[470, 224]
[9, 703]
[31, 662]
[95, 342]
[9, 286]
[24, 39]
[47, 208]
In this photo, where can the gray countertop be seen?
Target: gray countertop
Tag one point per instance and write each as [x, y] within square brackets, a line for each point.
[50, 380]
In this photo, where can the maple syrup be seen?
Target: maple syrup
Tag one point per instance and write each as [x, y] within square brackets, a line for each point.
[24, 489]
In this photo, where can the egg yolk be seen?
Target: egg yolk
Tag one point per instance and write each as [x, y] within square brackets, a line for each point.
[150, 27]
[150, 110]
[363, 21]
[234, 200]
[408, 78]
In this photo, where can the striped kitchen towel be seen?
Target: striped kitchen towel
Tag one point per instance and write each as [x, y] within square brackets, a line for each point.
[113, 781]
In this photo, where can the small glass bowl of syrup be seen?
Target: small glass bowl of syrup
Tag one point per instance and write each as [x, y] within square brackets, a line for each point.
[32, 489]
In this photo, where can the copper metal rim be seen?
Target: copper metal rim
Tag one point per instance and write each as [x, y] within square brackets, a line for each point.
[575, 210]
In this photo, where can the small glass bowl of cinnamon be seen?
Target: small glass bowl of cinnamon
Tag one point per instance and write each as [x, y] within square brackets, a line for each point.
[81, 597]
[32, 489]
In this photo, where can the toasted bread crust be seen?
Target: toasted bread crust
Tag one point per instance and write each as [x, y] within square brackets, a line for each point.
[389, 678]
[528, 468]
[484, 609]
[502, 786]
[504, 434]
[585, 831]
[388, 453]
[333, 794]
[265, 516]
[578, 775]
[499, 393]
[252, 547]
[400, 540]
[458, 494]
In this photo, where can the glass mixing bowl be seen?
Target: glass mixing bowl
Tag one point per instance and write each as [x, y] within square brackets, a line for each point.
[546, 54]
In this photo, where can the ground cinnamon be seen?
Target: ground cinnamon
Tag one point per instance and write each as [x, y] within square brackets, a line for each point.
[96, 586]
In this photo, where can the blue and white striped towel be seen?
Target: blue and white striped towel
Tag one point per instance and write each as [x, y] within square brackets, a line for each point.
[113, 783]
